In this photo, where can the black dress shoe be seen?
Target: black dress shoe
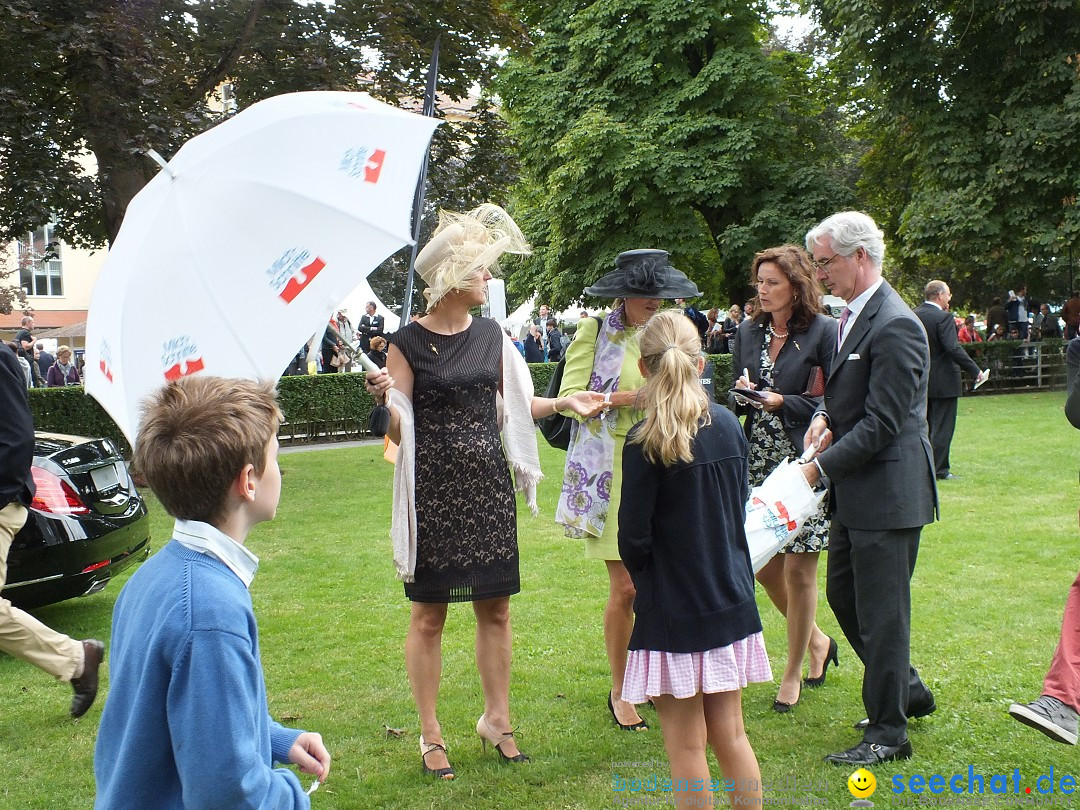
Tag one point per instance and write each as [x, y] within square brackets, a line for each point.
[913, 713]
[947, 477]
[867, 753]
[86, 685]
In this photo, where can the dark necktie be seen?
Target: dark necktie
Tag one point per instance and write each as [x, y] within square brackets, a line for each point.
[843, 322]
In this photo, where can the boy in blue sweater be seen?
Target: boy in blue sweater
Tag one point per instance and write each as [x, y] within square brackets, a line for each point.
[186, 722]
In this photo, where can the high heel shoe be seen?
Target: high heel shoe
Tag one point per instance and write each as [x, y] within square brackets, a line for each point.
[640, 725]
[783, 708]
[447, 773]
[831, 656]
[483, 728]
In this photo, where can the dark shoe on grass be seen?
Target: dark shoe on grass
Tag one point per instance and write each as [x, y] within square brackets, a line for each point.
[86, 685]
[1049, 715]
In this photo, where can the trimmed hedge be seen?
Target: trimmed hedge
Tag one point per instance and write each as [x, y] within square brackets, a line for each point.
[335, 407]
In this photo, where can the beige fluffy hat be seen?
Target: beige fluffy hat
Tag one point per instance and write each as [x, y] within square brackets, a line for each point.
[464, 243]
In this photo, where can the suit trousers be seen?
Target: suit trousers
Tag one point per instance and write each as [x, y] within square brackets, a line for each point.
[23, 636]
[1063, 679]
[941, 419]
[868, 587]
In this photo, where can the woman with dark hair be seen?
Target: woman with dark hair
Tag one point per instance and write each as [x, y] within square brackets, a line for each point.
[785, 350]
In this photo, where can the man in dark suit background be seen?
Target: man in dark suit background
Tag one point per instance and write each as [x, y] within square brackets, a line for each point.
[876, 458]
[44, 360]
[370, 326]
[947, 358]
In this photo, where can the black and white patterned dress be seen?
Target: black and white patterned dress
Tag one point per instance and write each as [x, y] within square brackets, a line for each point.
[769, 445]
[466, 540]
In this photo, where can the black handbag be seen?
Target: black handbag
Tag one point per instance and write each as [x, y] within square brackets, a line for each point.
[556, 428]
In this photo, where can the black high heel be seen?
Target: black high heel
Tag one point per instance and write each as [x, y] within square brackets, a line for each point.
[780, 707]
[487, 735]
[831, 656]
[640, 725]
[447, 773]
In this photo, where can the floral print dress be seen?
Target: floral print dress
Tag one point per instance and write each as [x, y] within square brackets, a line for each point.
[769, 445]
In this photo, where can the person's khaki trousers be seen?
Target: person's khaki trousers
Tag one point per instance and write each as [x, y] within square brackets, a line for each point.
[23, 636]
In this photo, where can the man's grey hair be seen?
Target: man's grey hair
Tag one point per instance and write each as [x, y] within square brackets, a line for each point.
[934, 289]
[849, 231]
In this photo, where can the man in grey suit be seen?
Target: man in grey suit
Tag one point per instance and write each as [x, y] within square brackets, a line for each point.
[947, 358]
[875, 456]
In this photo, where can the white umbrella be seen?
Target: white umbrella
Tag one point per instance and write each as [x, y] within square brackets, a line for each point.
[777, 510]
[247, 240]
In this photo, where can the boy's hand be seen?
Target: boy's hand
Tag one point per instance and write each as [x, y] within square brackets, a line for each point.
[311, 755]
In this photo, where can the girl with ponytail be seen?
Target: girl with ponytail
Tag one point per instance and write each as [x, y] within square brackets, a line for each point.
[697, 637]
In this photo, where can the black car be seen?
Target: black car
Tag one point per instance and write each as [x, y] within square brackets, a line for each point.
[86, 524]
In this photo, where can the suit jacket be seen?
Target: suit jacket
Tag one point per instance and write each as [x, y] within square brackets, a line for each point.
[880, 464]
[947, 356]
[791, 371]
[16, 434]
[370, 326]
[1072, 372]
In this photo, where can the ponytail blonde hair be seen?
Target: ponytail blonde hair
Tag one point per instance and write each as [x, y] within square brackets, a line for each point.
[673, 399]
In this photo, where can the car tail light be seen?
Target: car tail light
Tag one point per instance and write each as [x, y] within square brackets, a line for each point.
[55, 495]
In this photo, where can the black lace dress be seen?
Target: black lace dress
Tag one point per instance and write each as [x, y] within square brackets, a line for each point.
[466, 543]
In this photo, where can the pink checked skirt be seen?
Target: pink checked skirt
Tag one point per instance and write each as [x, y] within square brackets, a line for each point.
[721, 669]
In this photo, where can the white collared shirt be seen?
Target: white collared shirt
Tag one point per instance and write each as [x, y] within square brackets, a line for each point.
[857, 305]
[205, 539]
[936, 304]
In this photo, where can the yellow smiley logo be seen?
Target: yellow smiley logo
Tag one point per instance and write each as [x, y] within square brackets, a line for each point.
[862, 784]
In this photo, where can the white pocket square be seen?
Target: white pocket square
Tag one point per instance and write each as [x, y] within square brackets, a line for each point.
[854, 356]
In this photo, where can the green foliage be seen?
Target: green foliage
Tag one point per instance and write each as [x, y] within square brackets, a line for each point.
[664, 124]
[111, 78]
[972, 111]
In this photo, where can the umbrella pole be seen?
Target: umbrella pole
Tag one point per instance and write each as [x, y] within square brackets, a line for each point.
[421, 185]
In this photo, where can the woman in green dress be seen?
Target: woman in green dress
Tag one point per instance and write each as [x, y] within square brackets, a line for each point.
[604, 358]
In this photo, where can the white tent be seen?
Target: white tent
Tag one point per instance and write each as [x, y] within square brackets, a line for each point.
[356, 301]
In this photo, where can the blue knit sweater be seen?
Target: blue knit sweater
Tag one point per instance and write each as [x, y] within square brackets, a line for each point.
[186, 722]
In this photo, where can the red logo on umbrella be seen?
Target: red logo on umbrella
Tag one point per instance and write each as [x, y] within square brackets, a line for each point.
[180, 358]
[363, 161]
[292, 272]
[373, 167]
[105, 364]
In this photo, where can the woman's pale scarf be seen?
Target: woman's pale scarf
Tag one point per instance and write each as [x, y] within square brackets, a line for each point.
[519, 444]
[590, 459]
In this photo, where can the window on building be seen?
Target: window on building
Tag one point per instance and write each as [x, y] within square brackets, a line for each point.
[40, 263]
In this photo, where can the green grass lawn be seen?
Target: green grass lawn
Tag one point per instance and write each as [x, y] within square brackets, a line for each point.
[987, 601]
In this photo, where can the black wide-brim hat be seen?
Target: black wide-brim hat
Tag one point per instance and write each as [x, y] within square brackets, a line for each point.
[643, 273]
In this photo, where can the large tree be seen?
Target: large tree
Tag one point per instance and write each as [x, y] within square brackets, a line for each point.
[110, 78]
[655, 123]
[972, 109]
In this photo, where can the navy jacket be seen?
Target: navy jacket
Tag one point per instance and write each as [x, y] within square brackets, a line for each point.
[682, 539]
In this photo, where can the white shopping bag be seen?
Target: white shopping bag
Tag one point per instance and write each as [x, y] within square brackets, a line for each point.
[777, 510]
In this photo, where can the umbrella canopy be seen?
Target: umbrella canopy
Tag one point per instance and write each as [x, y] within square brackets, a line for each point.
[247, 240]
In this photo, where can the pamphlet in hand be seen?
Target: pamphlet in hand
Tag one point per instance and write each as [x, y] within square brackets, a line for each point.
[750, 394]
[984, 375]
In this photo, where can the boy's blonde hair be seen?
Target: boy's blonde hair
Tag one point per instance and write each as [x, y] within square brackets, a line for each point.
[196, 436]
[673, 398]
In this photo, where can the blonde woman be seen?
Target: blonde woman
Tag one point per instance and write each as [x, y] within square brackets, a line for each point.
[63, 371]
[454, 525]
[697, 639]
